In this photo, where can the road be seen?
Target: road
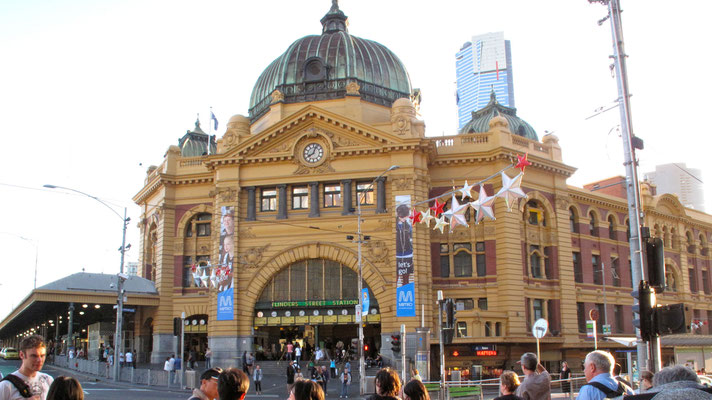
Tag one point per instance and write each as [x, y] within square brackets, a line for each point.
[102, 390]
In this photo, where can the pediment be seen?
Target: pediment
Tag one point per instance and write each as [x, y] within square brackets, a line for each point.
[670, 204]
[338, 135]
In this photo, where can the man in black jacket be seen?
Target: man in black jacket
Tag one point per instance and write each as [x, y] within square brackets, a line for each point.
[290, 376]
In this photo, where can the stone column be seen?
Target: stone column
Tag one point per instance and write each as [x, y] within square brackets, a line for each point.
[346, 197]
[313, 199]
[282, 201]
[381, 195]
[251, 206]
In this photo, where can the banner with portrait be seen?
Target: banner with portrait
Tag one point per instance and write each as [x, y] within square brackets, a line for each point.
[405, 272]
[223, 271]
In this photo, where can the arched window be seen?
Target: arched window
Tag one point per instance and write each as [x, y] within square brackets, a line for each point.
[535, 261]
[535, 213]
[573, 226]
[202, 225]
[612, 227]
[592, 227]
[703, 247]
[690, 242]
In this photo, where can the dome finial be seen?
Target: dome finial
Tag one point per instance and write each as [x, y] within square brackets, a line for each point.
[334, 20]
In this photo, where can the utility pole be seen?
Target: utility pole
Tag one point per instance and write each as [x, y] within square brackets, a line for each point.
[441, 299]
[635, 211]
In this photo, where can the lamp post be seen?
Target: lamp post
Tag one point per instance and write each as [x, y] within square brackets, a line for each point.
[121, 278]
[36, 245]
[361, 363]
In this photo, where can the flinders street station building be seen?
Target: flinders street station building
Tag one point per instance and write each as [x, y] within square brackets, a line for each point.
[254, 235]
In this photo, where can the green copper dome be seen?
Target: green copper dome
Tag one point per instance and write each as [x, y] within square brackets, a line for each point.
[320, 68]
[481, 118]
[195, 143]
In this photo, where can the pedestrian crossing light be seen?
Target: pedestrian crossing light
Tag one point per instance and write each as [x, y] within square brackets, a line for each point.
[644, 309]
[396, 344]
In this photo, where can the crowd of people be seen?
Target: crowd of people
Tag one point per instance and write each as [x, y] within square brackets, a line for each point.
[602, 374]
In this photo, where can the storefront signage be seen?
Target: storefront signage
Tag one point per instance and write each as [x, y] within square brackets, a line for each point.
[486, 353]
[485, 347]
[313, 303]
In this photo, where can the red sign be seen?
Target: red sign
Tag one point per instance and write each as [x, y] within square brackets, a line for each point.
[485, 353]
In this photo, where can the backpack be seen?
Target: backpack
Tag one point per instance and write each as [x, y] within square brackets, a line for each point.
[19, 384]
[620, 390]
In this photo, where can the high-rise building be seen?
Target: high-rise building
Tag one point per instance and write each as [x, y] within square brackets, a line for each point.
[685, 182]
[483, 65]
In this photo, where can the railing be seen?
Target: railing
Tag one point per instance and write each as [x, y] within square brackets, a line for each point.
[477, 389]
[137, 376]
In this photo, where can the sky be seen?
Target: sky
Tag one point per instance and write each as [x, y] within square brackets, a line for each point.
[94, 92]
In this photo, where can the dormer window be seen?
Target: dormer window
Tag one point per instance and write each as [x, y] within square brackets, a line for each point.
[315, 70]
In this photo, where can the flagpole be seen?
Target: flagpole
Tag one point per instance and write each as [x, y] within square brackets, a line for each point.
[210, 128]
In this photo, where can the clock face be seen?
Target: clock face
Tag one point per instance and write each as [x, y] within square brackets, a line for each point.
[313, 153]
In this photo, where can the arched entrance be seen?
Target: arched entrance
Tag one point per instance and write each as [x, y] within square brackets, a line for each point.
[313, 303]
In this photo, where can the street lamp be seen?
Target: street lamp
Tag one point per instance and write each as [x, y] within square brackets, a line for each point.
[361, 363]
[121, 276]
[36, 245]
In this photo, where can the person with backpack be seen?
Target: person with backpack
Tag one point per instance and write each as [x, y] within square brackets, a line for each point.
[28, 381]
[600, 385]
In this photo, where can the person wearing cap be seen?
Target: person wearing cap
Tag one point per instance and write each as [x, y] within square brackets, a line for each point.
[208, 385]
[537, 381]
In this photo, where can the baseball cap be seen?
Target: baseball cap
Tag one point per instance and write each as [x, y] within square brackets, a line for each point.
[211, 373]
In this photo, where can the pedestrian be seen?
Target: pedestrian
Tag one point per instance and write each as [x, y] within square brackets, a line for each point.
[121, 359]
[257, 377]
[388, 385]
[244, 363]
[598, 367]
[208, 385]
[168, 367]
[617, 369]
[129, 359]
[111, 356]
[33, 352]
[508, 384]
[646, 382]
[325, 375]
[298, 374]
[565, 377]
[290, 376]
[191, 360]
[319, 354]
[65, 388]
[415, 390]
[135, 356]
[306, 390]
[208, 356]
[345, 380]
[415, 375]
[537, 382]
[250, 362]
[233, 384]
[318, 377]
[677, 382]
[290, 351]
[298, 353]
[332, 368]
[173, 367]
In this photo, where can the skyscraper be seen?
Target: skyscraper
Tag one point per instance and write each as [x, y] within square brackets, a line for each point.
[685, 182]
[483, 65]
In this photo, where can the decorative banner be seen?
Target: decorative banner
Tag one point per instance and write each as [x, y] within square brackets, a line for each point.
[366, 302]
[225, 306]
[222, 274]
[405, 282]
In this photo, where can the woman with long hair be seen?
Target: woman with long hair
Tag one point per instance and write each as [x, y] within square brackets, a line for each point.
[65, 388]
[304, 389]
[415, 390]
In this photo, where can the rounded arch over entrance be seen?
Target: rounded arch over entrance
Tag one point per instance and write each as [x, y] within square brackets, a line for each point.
[310, 301]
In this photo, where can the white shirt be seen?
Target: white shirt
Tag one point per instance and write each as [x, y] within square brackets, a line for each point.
[167, 365]
[39, 386]
[129, 357]
[172, 364]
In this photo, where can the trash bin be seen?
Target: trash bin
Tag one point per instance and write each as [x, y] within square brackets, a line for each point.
[191, 379]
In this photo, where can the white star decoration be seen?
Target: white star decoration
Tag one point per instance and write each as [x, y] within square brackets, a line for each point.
[483, 205]
[196, 277]
[466, 191]
[456, 213]
[426, 217]
[214, 278]
[440, 224]
[204, 278]
[511, 189]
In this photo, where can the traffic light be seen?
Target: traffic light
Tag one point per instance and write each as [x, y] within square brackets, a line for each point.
[176, 326]
[449, 313]
[396, 343]
[365, 348]
[672, 318]
[655, 258]
[644, 309]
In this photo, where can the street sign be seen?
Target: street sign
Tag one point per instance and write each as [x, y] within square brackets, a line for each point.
[593, 314]
[358, 314]
[541, 326]
[591, 328]
[606, 329]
